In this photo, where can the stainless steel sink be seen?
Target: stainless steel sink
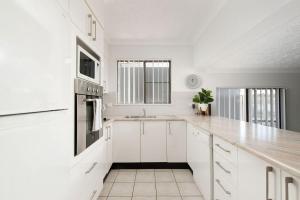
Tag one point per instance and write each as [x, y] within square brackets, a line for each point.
[139, 116]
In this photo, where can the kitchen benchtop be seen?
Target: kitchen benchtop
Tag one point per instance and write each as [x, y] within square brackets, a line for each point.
[276, 146]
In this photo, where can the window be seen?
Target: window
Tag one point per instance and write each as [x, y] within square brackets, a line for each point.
[264, 106]
[144, 82]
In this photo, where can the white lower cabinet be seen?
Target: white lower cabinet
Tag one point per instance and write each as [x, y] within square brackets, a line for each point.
[290, 187]
[176, 141]
[126, 142]
[257, 179]
[199, 157]
[153, 141]
[108, 147]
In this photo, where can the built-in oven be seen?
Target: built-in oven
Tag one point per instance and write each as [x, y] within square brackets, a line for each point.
[88, 63]
[88, 114]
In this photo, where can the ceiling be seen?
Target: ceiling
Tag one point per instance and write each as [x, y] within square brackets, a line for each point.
[158, 21]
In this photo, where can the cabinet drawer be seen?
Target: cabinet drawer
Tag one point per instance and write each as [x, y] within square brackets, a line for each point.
[224, 170]
[225, 149]
[222, 191]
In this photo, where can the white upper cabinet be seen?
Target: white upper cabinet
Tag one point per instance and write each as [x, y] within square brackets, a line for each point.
[153, 141]
[97, 7]
[34, 57]
[126, 142]
[290, 187]
[82, 17]
[176, 141]
[257, 179]
[64, 4]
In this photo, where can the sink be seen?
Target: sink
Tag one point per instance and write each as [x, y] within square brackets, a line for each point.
[139, 116]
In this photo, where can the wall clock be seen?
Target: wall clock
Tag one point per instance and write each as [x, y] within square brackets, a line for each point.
[193, 81]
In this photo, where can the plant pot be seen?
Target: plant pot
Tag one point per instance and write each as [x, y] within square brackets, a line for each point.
[203, 107]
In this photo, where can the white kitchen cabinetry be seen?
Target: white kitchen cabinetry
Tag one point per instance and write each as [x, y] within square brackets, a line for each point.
[256, 178]
[35, 152]
[290, 187]
[126, 142]
[97, 7]
[107, 134]
[199, 156]
[88, 173]
[176, 141]
[153, 141]
[35, 49]
[64, 4]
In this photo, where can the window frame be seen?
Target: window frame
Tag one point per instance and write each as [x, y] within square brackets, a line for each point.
[144, 85]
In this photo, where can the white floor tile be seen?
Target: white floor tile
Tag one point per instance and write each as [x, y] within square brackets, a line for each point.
[168, 198]
[145, 170]
[144, 198]
[145, 176]
[119, 198]
[183, 176]
[112, 176]
[126, 176]
[163, 170]
[188, 189]
[193, 198]
[167, 189]
[144, 189]
[166, 176]
[121, 190]
[106, 189]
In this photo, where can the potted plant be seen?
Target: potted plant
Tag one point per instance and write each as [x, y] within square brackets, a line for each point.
[203, 99]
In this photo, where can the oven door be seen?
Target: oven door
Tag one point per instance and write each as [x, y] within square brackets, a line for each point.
[88, 67]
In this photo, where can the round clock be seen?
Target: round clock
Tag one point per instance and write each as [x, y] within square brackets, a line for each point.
[193, 81]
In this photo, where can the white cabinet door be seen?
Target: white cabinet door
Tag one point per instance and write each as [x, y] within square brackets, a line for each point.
[35, 152]
[176, 141]
[290, 187]
[253, 174]
[191, 146]
[98, 37]
[109, 159]
[126, 142]
[153, 141]
[64, 4]
[34, 57]
[82, 17]
[98, 9]
[202, 162]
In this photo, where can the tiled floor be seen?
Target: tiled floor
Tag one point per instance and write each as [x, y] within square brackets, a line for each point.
[150, 184]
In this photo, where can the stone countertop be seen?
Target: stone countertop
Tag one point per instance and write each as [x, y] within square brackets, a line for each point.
[276, 146]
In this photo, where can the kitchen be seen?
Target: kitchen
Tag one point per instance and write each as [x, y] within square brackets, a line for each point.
[127, 99]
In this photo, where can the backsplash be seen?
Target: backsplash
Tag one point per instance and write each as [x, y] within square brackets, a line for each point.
[181, 105]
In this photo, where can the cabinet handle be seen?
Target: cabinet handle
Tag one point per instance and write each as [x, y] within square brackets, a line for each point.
[109, 128]
[106, 136]
[91, 24]
[288, 180]
[268, 170]
[169, 128]
[223, 149]
[223, 188]
[223, 168]
[143, 128]
[93, 194]
[91, 168]
[95, 36]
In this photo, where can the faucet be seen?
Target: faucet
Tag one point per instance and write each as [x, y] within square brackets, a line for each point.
[144, 112]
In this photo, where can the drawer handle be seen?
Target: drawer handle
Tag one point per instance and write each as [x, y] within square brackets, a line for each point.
[268, 170]
[223, 188]
[91, 168]
[91, 24]
[223, 168]
[93, 194]
[222, 148]
[288, 180]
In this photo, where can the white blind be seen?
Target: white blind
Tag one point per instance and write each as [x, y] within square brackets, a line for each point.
[144, 82]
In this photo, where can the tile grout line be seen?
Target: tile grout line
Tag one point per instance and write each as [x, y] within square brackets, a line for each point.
[134, 184]
[155, 184]
[112, 184]
[177, 184]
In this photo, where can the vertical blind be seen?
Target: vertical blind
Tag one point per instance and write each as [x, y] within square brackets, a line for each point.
[144, 82]
[264, 106]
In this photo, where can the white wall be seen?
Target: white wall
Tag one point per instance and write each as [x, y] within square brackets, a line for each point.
[182, 65]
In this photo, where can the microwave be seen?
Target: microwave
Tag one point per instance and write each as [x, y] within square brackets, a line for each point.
[88, 63]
